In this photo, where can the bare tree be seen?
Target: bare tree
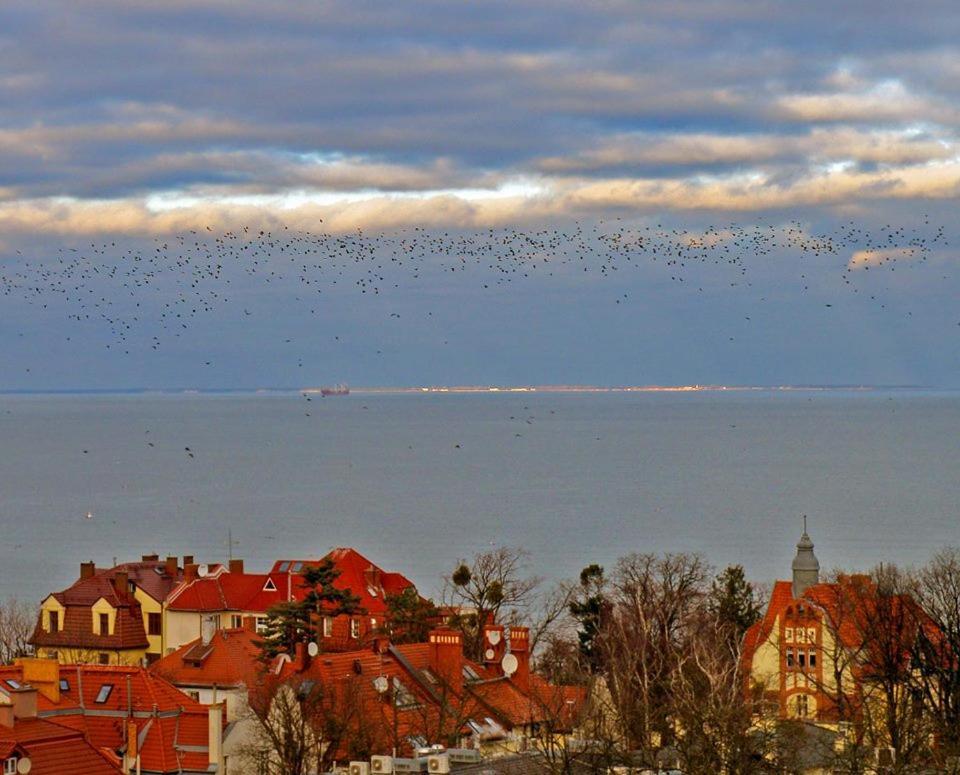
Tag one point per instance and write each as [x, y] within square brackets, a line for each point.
[653, 600]
[493, 582]
[936, 588]
[17, 621]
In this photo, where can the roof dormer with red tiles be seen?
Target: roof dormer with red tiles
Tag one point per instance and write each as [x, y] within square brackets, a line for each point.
[97, 619]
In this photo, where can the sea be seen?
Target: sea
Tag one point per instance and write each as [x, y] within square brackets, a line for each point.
[416, 482]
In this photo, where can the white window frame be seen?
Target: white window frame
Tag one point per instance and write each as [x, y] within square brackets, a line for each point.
[10, 766]
[354, 627]
[327, 626]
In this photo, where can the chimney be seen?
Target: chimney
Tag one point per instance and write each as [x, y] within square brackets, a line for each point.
[170, 568]
[494, 644]
[131, 753]
[190, 571]
[301, 656]
[24, 702]
[215, 737]
[120, 581]
[87, 570]
[149, 557]
[6, 714]
[446, 657]
[520, 648]
[44, 674]
[208, 628]
[236, 566]
[187, 560]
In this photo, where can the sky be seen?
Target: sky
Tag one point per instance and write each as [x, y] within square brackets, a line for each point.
[156, 127]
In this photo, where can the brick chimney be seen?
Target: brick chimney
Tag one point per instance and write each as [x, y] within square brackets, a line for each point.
[520, 648]
[494, 644]
[236, 566]
[446, 657]
[215, 737]
[301, 656]
[24, 701]
[170, 567]
[149, 557]
[190, 571]
[120, 581]
[187, 560]
[87, 570]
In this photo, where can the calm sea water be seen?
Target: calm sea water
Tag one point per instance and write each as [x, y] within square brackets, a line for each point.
[574, 478]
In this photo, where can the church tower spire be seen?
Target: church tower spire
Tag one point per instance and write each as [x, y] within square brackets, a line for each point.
[806, 567]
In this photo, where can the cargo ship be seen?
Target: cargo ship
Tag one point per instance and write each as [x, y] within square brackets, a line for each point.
[340, 389]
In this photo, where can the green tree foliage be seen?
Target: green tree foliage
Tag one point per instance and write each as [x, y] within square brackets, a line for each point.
[409, 617]
[734, 601]
[293, 621]
[587, 608]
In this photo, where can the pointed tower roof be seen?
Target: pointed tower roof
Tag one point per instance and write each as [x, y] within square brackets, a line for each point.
[806, 566]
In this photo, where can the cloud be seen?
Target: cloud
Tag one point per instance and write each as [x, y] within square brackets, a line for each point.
[866, 259]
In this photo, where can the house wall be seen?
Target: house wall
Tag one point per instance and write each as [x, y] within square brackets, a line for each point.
[150, 606]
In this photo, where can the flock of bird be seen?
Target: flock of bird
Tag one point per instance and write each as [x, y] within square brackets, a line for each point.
[146, 293]
[149, 292]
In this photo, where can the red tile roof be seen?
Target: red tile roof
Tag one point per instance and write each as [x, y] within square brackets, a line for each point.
[172, 725]
[357, 574]
[232, 659]
[225, 591]
[77, 625]
[54, 749]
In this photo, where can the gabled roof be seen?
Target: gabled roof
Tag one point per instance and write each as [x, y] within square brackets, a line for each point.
[356, 571]
[151, 576]
[54, 749]
[231, 659]
[172, 726]
[249, 592]
[77, 625]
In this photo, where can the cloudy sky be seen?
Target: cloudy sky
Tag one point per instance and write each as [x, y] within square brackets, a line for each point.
[128, 121]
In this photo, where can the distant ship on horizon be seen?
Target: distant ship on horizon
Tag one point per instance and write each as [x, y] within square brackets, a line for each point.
[340, 389]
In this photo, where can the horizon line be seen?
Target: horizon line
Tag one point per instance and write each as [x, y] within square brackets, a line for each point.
[475, 389]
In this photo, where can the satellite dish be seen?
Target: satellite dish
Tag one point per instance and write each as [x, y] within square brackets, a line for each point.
[494, 637]
[489, 654]
[381, 684]
[313, 649]
[203, 570]
[509, 664]
[24, 765]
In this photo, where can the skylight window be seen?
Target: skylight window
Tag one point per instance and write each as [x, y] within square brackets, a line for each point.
[64, 685]
[13, 684]
[283, 567]
[429, 676]
[104, 694]
[296, 567]
[470, 674]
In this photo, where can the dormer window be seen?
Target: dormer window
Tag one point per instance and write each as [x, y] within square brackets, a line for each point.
[10, 766]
